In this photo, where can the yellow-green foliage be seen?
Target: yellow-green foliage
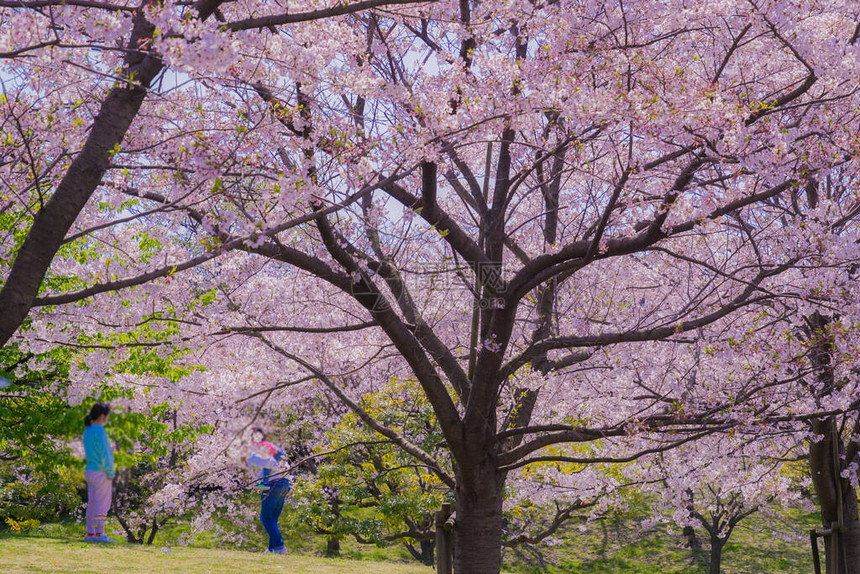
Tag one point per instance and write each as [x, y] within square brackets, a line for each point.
[20, 526]
[367, 486]
[28, 497]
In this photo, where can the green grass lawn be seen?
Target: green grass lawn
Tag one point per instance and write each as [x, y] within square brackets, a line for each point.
[777, 544]
[31, 554]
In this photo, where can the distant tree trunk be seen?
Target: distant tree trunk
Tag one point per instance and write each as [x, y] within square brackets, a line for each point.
[695, 545]
[842, 550]
[692, 540]
[828, 458]
[332, 546]
[604, 542]
[428, 548]
[152, 532]
[129, 534]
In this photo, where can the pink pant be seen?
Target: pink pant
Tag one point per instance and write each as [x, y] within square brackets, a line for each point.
[98, 500]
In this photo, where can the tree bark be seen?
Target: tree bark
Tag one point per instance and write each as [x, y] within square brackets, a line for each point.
[428, 548]
[692, 540]
[152, 532]
[837, 498]
[129, 534]
[332, 546]
[478, 530]
[842, 549]
[716, 557]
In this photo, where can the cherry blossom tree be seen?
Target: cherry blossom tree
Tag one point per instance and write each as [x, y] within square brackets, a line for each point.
[716, 483]
[552, 215]
[69, 119]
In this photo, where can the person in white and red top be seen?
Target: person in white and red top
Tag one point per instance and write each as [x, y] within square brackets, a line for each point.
[264, 462]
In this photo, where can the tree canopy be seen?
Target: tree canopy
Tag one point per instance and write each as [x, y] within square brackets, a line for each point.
[591, 231]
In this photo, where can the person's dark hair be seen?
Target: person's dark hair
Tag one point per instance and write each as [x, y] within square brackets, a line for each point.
[96, 411]
[258, 430]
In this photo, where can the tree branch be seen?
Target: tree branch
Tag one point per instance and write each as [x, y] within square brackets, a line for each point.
[395, 437]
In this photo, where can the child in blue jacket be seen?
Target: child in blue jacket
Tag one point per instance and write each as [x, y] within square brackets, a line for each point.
[99, 472]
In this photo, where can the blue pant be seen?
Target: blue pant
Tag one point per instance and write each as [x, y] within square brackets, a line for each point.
[272, 503]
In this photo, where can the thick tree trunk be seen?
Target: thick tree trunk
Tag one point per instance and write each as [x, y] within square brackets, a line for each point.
[714, 564]
[478, 539]
[842, 550]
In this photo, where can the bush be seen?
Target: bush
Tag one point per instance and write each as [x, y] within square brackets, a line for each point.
[29, 497]
[17, 527]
